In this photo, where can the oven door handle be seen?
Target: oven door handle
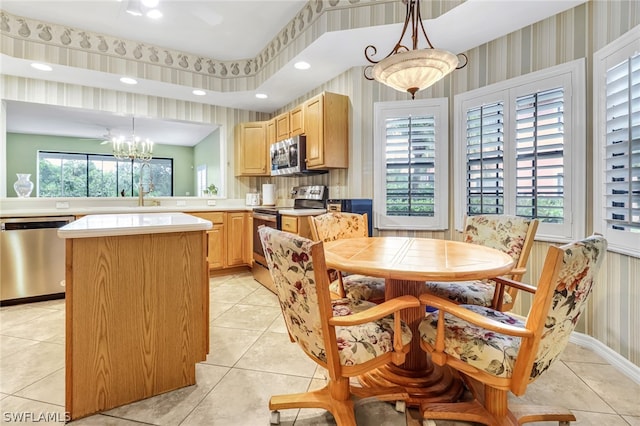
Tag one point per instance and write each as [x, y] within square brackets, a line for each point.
[265, 217]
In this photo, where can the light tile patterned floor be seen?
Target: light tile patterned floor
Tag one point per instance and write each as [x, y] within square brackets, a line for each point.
[250, 359]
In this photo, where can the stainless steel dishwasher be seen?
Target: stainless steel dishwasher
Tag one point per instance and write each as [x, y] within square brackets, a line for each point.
[31, 259]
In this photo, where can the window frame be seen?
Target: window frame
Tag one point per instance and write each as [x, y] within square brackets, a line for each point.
[571, 76]
[87, 158]
[614, 53]
[439, 108]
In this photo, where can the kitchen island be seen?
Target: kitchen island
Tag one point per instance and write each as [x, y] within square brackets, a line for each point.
[137, 307]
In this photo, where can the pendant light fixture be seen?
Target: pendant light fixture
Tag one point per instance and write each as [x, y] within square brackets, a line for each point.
[410, 70]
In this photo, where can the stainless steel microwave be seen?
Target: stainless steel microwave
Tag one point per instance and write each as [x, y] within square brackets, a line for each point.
[288, 157]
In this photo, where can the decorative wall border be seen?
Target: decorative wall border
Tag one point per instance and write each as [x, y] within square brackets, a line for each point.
[26, 29]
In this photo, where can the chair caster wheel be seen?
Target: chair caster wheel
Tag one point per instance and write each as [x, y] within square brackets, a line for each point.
[275, 417]
[401, 406]
[428, 422]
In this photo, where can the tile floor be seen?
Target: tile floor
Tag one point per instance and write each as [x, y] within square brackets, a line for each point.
[250, 359]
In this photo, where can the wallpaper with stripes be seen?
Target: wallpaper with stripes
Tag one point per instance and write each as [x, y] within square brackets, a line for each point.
[612, 317]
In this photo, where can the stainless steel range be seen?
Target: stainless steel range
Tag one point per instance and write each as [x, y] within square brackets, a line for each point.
[308, 200]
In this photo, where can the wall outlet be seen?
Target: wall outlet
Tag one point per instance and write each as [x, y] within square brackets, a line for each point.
[211, 202]
[181, 203]
[62, 204]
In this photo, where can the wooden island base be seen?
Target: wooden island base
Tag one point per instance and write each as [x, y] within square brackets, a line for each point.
[137, 309]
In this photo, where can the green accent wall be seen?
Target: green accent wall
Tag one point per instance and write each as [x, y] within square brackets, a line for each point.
[207, 152]
[22, 157]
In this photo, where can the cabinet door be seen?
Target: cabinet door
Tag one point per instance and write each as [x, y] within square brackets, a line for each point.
[282, 126]
[217, 242]
[236, 238]
[313, 128]
[251, 149]
[296, 123]
[271, 132]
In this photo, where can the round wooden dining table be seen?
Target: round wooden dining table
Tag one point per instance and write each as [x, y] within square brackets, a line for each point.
[406, 263]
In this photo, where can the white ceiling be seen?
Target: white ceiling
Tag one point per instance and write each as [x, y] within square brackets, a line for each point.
[240, 29]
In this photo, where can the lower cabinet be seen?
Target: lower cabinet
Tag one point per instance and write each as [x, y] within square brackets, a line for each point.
[228, 239]
[297, 225]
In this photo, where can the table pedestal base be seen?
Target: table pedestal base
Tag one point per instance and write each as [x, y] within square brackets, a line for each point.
[437, 384]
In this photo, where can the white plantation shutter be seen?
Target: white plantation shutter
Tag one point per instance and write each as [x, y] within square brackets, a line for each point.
[485, 159]
[411, 164]
[540, 155]
[520, 149]
[622, 146]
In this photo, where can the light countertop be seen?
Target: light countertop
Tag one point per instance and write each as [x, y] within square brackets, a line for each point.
[301, 212]
[106, 225]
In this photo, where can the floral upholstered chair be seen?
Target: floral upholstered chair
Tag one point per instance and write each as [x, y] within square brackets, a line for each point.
[497, 352]
[344, 336]
[336, 226]
[510, 234]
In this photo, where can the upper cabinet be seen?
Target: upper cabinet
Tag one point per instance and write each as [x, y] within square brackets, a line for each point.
[296, 122]
[326, 125]
[252, 149]
[323, 119]
[282, 126]
[271, 132]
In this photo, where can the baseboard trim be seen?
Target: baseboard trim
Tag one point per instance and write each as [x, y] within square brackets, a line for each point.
[622, 364]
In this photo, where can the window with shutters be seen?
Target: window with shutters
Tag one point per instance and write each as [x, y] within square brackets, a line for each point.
[617, 136]
[411, 157]
[519, 149]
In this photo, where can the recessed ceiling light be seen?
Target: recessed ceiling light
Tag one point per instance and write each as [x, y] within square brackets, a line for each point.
[150, 3]
[199, 92]
[261, 95]
[302, 65]
[128, 80]
[41, 67]
[154, 14]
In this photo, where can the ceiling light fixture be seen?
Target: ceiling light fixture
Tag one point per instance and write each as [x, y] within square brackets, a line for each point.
[411, 70]
[302, 65]
[261, 96]
[128, 80]
[134, 147]
[199, 92]
[41, 67]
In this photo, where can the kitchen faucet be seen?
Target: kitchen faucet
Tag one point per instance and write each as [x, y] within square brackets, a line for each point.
[141, 186]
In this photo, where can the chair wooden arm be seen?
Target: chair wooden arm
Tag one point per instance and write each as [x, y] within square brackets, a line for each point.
[473, 317]
[502, 281]
[379, 311]
[518, 271]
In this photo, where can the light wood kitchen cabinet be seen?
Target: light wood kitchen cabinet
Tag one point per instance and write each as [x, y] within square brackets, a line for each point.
[296, 225]
[282, 126]
[296, 122]
[236, 238]
[271, 132]
[326, 125]
[252, 149]
[228, 239]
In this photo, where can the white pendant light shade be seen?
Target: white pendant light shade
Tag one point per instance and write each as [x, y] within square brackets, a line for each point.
[411, 69]
[415, 70]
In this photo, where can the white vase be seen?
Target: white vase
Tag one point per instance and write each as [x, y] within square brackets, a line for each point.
[23, 185]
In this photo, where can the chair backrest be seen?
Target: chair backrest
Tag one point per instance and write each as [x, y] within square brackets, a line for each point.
[338, 225]
[512, 235]
[302, 292]
[566, 283]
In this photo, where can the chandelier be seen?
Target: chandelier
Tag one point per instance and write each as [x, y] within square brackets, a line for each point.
[416, 69]
[132, 148]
